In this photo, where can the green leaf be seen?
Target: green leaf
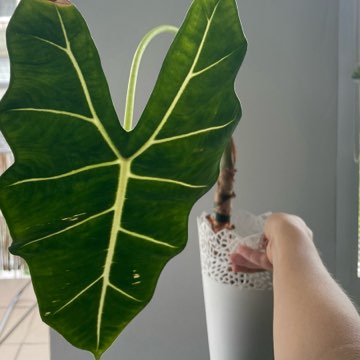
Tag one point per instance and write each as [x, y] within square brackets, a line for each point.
[97, 211]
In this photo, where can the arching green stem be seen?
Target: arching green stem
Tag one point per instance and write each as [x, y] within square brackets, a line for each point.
[130, 97]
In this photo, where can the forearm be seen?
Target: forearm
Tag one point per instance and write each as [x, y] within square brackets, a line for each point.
[313, 318]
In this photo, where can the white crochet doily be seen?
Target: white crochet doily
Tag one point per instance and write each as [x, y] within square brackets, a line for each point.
[215, 250]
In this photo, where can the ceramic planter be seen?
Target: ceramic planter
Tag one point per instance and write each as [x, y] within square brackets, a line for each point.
[238, 306]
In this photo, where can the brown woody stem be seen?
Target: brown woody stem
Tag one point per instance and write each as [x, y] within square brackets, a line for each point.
[224, 190]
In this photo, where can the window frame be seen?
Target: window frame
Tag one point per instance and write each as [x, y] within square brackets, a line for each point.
[7, 18]
[7, 159]
[4, 20]
[347, 191]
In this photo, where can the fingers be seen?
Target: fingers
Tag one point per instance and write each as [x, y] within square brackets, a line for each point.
[240, 263]
[246, 259]
[281, 232]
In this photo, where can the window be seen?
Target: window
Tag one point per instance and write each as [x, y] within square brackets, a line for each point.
[347, 222]
[10, 266]
[4, 60]
[7, 7]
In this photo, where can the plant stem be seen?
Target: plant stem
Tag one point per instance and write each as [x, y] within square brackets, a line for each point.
[225, 190]
[130, 96]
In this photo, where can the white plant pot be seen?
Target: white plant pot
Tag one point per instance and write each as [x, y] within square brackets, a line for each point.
[239, 307]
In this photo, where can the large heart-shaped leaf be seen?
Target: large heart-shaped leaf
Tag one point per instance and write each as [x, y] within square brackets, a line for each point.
[95, 210]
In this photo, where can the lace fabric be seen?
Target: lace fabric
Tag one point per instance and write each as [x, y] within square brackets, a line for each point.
[215, 250]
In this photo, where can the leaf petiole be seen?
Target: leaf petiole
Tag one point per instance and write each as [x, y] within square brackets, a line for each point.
[130, 96]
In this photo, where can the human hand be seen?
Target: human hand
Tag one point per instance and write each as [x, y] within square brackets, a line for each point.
[248, 260]
[281, 233]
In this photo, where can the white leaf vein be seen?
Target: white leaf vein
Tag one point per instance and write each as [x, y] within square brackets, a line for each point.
[117, 218]
[49, 42]
[83, 291]
[69, 227]
[207, 68]
[68, 174]
[147, 238]
[193, 133]
[78, 295]
[122, 292]
[56, 112]
[165, 180]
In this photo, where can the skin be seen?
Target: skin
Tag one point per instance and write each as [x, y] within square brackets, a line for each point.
[313, 317]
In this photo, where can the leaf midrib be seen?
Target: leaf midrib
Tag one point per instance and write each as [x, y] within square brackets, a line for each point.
[124, 171]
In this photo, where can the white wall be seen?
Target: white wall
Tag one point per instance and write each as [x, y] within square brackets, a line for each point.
[286, 143]
[287, 137]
